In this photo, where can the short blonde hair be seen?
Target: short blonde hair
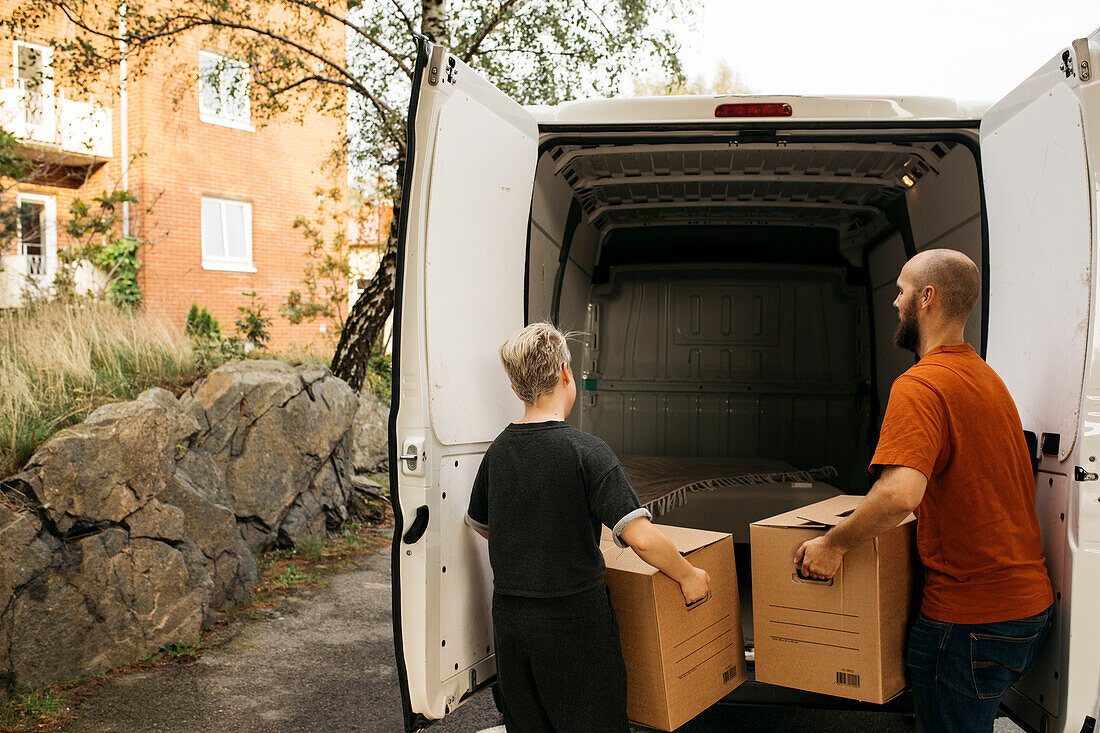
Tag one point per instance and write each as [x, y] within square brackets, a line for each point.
[533, 358]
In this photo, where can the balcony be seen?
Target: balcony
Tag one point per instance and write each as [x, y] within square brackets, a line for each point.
[69, 140]
[15, 269]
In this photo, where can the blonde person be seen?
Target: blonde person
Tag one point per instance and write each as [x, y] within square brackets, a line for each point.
[541, 495]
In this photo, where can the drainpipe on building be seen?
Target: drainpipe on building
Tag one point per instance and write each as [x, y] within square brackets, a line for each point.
[124, 121]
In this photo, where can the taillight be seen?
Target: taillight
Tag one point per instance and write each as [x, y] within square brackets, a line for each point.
[753, 109]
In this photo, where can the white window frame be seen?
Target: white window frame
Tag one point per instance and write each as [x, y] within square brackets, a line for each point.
[49, 232]
[227, 264]
[46, 129]
[215, 118]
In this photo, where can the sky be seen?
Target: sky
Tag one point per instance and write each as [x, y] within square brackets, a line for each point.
[975, 50]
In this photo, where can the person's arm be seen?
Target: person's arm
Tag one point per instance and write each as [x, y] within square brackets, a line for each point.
[656, 549]
[893, 497]
[477, 513]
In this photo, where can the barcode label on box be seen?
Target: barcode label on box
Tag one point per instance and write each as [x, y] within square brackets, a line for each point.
[848, 679]
[729, 674]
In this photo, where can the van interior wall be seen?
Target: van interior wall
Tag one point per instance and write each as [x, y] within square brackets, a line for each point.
[741, 358]
[944, 211]
[551, 205]
[738, 361]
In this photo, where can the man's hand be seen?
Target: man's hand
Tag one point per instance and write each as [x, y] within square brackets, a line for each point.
[695, 587]
[818, 558]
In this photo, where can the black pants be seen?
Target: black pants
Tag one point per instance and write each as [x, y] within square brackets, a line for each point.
[559, 664]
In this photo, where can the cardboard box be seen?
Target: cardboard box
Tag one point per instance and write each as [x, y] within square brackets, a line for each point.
[679, 660]
[845, 636]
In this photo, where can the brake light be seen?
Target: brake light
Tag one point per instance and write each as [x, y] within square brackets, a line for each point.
[753, 109]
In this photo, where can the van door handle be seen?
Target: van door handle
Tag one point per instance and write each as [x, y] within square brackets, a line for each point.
[418, 527]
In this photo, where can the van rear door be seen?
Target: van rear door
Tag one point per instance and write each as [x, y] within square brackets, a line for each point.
[1040, 150]
[460, 293]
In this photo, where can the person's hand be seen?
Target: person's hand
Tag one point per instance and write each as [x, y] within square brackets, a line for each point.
[696, 587]
[818, 558]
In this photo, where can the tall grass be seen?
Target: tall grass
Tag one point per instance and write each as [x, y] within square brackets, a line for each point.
[58, 362]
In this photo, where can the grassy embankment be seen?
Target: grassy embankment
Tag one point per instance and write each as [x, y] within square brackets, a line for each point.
[59, 362]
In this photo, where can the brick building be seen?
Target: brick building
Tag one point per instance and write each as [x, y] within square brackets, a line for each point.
[218, 192]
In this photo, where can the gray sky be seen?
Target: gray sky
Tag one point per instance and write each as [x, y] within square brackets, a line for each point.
[966, 49]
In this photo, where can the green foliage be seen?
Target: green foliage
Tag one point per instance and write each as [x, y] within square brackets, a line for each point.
[175, 650]
[379, 376]
[252, 324]
[327, 270]
[310, 549]
[93, 231]
[119, 258]
[290, 577]
[201, 325]
[26, 712]
[13, 166]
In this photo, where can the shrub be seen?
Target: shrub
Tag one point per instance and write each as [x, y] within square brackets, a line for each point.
[200, 324]
[252, 323]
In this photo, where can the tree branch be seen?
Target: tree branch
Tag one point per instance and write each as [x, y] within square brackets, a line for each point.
[598, 17]
[373, 40]
[189, 22]
[507, 8]
[408, 21]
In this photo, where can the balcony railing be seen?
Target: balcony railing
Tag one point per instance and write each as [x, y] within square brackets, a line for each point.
[36, 265]
[53, 121]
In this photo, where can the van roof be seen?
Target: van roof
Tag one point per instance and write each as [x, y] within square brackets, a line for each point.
[701, 108]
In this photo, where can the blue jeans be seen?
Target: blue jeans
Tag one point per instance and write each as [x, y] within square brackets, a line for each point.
[960, 672]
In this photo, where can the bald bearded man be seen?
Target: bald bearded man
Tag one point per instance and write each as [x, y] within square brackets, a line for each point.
[952, 450]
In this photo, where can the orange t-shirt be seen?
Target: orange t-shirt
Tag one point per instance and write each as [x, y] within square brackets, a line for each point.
[951, 418]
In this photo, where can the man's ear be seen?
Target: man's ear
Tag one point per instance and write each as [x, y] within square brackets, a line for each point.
[565, 377]
[927, 295]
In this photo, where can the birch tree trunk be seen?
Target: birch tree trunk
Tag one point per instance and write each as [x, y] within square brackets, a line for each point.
[433, 20]
[368, 315]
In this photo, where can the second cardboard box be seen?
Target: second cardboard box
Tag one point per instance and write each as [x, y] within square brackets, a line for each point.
[845, 636]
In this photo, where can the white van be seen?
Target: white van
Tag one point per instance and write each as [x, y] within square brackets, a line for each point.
[732, 261]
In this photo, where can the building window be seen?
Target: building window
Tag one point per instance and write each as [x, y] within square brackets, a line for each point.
[35, 228]
[226, 234]
[224, 90]
[32, 68]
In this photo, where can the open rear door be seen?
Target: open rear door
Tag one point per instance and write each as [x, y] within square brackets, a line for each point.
[460, 293]
[1040, 155]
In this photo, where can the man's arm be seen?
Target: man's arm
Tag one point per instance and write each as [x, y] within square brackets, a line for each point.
[897, 493]
[654, 548]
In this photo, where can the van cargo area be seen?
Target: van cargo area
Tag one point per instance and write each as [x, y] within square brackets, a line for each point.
[734, 297]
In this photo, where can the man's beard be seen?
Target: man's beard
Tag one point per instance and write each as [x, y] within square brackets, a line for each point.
[907, 336]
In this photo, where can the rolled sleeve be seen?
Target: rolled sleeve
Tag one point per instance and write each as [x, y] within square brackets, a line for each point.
[622, 523]
[471, 522]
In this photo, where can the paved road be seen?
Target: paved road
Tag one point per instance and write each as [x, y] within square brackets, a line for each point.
[324, 662]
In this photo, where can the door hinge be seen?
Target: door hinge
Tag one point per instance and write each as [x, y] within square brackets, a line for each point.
[1081, 53]
[1080, 474]
[435, 65]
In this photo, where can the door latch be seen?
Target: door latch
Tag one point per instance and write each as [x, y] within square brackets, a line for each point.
[413, 456]
[1080, 474]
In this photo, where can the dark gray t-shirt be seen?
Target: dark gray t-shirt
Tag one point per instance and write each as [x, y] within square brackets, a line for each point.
[543, 491]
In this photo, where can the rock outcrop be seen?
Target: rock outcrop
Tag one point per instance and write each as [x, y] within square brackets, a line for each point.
[282, 437]
[134, 528]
